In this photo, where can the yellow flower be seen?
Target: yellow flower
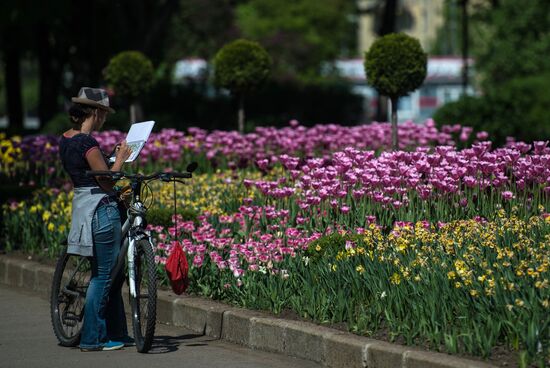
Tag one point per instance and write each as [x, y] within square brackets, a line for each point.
[46, 216]
[318, 248]
[545, 303]
[451, 275]
[62, 228]
[519, 302]
[51, 227]
[395, 278]
[360, 269]
[474, 293]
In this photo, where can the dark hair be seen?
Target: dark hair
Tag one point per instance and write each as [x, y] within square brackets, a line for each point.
[79, 112]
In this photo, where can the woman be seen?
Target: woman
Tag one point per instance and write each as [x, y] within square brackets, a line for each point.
[95, 224]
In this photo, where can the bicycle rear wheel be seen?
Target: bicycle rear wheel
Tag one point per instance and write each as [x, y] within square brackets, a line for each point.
[144, 304]
[68, 297]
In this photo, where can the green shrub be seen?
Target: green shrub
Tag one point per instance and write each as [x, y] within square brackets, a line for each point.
[471, 111]
[517, 109]
[329, 245]
[241, 66]
[520, 109]
[130, 73]
[396, 65]
[163, 216]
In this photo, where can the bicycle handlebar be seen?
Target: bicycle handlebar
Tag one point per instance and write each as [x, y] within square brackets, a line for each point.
[117, 175]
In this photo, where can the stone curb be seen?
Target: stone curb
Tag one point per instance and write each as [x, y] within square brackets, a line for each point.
[329, 347]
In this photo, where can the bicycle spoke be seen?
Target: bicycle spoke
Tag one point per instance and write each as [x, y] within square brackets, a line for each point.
[68, 297]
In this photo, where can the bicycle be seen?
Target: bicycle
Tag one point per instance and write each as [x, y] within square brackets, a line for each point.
[73, 272]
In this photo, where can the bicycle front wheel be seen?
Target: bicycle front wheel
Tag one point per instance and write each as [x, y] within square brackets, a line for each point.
[68, 297]
[144, 303]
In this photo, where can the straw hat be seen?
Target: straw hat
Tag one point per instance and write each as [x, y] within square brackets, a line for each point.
[94, 97]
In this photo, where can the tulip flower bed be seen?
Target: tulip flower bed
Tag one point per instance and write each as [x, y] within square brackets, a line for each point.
[35, 158]
[466, 286]
[431, 245]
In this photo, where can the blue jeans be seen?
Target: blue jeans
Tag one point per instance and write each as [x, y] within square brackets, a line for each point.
[104, 317]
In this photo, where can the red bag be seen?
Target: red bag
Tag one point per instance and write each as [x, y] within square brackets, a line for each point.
[177, 269]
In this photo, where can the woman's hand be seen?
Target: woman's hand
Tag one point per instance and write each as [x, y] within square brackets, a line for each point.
[123, 151]
[96, 160]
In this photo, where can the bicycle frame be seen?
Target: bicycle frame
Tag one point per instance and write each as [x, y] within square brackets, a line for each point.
[133, 228]
[132, 231]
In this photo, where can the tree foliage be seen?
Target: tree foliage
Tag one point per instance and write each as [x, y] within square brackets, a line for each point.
[300, 34]
[515, 43]
[395, 65]
[130, 73]
[202, 27]
[241, 66]
[511, 47]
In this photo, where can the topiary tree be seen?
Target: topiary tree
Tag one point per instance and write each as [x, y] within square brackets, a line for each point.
[241, 66]
[395, 65]
[130, 73]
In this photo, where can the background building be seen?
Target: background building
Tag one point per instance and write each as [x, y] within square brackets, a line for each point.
[418, 18]
[443, 84]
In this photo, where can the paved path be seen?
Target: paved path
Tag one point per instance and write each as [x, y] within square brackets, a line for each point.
[27, 340]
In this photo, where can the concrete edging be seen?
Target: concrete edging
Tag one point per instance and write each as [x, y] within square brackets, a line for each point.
[329, 347]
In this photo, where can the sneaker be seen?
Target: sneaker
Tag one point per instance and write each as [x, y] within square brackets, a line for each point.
[112, 345]
[109, 345]
[127, 341]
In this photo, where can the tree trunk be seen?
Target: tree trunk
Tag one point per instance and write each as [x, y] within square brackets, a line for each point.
[387, 26]
[136, 112]
[241, 113]
[394, 139]
[50, 67]
[382, 109]
[12, 57]
[388, 18]
[465, 35]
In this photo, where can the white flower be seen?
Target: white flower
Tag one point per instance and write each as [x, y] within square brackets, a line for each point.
[383, 295]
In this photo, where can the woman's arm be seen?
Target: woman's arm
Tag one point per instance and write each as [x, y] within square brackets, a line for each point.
[97, 163]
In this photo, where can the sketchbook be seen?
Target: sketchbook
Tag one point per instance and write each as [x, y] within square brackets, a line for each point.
[136, 138]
